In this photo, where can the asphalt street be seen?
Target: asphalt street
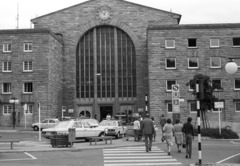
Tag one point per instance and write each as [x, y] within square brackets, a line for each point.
[31, 151]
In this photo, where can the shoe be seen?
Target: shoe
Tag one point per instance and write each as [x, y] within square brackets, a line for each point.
[186, 156]
[150, 149]
[169, 153]
[179, 151]
[147, 150]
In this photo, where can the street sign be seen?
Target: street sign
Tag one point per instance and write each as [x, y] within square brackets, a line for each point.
[219, 104]
[175, 98]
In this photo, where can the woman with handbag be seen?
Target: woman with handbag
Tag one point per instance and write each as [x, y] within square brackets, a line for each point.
[178, 134]
[168, 131]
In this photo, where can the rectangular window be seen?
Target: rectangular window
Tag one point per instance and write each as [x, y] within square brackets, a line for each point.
[193, 107]
[236, 42]
[7, 66]
[27, 66]
[237, 84]
[169, 84]
[7, 47]
[237, 106]
[191, 85]
[169, 43]
[28, 87]
[169, 107]
[7, 109]
[192, 43]
[217, 84]
[27, 47]
[214, 43]
[170, 63]
[29, 109]
[6, 88]
[215, 62]
[192, 63]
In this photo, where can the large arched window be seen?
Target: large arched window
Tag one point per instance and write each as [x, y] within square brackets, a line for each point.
[105, 54]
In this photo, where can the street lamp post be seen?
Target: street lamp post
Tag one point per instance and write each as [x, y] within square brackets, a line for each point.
[14, 101]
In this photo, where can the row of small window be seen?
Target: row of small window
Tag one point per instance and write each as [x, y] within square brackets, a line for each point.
[215, 62]
[27, 66]
[192, 107]
[192, 43]
[7, 88]
[217, 83]
[8, 108]
[27, 47]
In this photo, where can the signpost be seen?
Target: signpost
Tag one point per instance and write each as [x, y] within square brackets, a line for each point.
[219, 105]
[175, 98]
[175, 102]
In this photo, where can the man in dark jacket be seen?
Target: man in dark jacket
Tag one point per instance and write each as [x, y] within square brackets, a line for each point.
[188, 131]
[147, 128]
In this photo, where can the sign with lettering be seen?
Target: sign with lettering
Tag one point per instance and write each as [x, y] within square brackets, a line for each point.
[175, 98]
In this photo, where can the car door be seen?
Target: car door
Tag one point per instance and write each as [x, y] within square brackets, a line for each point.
[44, 124]
[51, 123]
[88, 130]
[79, 129]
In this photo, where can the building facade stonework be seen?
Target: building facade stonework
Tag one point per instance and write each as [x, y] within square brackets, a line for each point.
[101, 57]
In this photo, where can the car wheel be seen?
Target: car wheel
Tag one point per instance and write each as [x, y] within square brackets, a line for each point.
[35, 128]
[118, 135]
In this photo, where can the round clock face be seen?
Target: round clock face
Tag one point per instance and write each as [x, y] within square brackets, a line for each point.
[104, 14]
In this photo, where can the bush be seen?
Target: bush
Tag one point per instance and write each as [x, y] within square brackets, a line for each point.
[214, 133]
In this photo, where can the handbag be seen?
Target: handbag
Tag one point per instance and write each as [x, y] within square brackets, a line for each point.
[183, 145]
[163, 138]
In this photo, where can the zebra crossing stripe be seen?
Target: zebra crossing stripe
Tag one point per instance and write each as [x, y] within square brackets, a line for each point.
[137, 156]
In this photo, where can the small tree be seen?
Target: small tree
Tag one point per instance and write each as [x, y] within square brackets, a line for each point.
[207, 103]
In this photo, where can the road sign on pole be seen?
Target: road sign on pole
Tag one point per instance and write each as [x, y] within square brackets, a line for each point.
[175, 98]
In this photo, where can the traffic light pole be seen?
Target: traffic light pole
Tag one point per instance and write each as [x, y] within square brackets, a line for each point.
[198, 120]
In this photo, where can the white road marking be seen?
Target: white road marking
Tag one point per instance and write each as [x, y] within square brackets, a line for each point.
[21, 159]
[228, 158]
[34, 158]
[137, 156]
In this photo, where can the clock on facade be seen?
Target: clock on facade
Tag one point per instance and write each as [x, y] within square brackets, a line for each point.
[104, 14]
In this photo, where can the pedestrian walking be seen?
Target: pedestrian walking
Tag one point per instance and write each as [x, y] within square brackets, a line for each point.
[136, 128]
[178, 134]
[155, 129]
[147, 128]
[168, 131]
[189, 136]
[162, 122]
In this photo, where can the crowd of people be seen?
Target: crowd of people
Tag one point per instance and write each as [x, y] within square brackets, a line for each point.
[181, 134]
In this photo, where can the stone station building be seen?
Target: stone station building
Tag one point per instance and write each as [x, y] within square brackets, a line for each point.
[109, 56]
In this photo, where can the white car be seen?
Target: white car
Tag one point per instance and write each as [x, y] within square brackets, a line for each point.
[84, 128]
[47, 123]
[113, 127]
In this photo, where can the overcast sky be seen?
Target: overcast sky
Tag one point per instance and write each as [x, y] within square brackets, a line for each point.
[192, 11]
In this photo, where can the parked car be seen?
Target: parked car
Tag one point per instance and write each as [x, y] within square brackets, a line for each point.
[84, 128]
[113, 127]
[47, 123]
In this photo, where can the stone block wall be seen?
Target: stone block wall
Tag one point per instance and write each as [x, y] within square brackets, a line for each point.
[158, 74]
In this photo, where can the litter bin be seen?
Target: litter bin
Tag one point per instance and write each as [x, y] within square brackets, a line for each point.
[71, 135]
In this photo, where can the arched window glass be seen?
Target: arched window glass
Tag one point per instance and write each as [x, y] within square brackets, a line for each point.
[111, 52]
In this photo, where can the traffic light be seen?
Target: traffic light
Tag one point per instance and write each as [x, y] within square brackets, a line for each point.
[200, 90]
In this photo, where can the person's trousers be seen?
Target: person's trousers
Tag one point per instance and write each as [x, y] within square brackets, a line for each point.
[136, 135]
[148, 141]
[189, 144]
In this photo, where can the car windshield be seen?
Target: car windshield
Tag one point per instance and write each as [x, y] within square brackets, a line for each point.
[63, 124]
[108, 123]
